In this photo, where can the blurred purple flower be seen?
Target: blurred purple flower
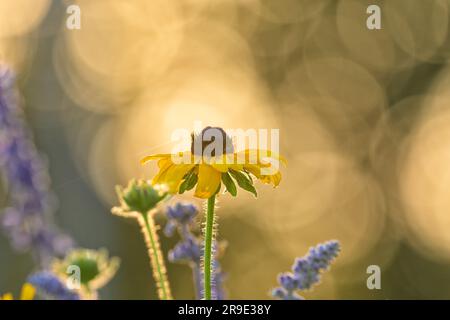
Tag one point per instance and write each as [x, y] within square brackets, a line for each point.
[181, 217]
[27, 220]
[50, 287]
[187, 250]
[306, 271]
[217, 290]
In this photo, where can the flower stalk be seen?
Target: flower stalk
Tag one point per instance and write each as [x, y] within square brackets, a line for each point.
[156, 258]
[181, 217]
[209, 237]
[139, 200]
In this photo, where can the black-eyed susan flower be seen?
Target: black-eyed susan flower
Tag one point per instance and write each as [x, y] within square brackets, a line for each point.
[27, 293]
[206, 171]
[211, 162]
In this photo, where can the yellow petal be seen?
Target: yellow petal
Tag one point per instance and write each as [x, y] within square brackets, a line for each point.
[7, 296]
[208, 181]
[173, 175]
[259, 155]
[254, 169]
[177, 158]
[28, 292]
[225, 162]
[163, 162]
[274, 179]
[160, 176]
[220, 167]
[226, 167]
[155, 157]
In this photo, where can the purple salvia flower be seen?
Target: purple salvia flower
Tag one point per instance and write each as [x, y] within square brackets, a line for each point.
[50, 287]
[27, 220]
[181, 217]
[289, 284]
[182, 213]
[217, 287]
[288, 281]
[188, 250]
[319, 258]
[306, 271]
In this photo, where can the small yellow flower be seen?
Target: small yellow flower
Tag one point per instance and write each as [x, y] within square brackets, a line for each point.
[27, 293]
[206, 173]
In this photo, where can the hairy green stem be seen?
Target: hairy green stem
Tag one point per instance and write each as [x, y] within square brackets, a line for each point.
[156, 257]
[207, 264]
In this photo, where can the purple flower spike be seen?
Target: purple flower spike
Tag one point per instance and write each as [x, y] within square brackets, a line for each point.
[50, 287]
[306, 271]
[188, 250]
[27, 220]
[181, 217]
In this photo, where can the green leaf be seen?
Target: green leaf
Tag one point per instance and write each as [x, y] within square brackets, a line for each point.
[244, 182]
[189, 182]
[229, 184]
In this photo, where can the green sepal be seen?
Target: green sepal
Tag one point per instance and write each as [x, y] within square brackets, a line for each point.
[141, 196]
[244, 182]
[229, 184]
[189, 182]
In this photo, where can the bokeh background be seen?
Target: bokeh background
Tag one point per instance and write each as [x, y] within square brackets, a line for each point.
[364, 118]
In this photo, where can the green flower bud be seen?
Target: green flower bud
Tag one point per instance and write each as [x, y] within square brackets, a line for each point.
[140, 196]
[95, 268]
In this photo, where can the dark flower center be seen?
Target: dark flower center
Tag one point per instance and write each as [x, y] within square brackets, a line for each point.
[212, 141]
